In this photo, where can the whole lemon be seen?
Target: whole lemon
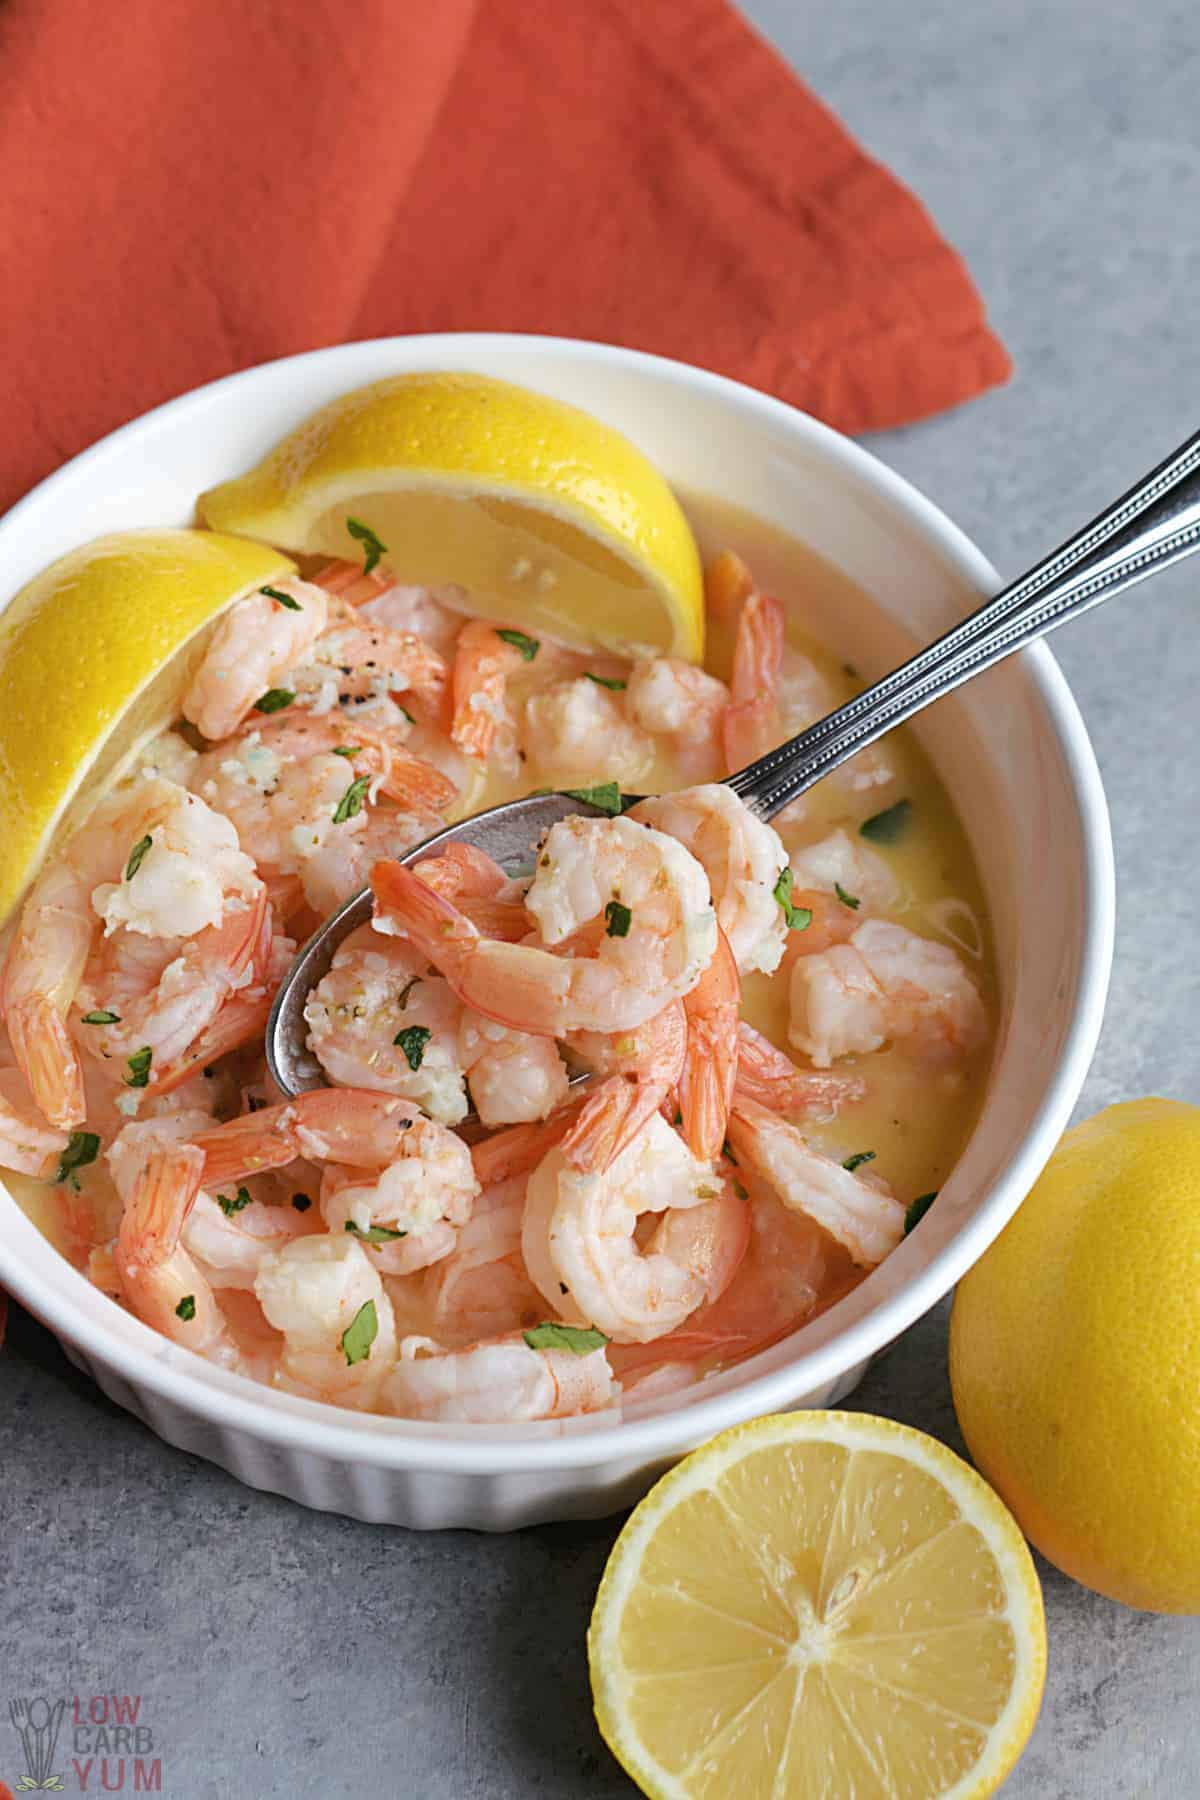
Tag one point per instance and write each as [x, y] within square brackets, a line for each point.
[1075, 1357]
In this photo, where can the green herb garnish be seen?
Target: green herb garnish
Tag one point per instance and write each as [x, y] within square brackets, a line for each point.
[301, 1202]
[406, 990]
[139, 1067]
[889, 826]
[186, 1310]
[606, 796]
[347, 749]
[528, 646]
[798, 918]
[412, 1040]
[240, 1200]
[101, 1018]
[578, 1338]
[373, 548]
[617, 919]
[917, 1210]
[740, 1191]
[274, 700]
[727, 1153]
[82, 1148]
[607, 681]
[856, 1162]
[351, 802]
[360, 1334]
[850, 900]
[136, 857]
[374, 1234]
[283, 599]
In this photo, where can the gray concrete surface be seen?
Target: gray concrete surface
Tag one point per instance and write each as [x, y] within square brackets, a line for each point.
[283, 1653]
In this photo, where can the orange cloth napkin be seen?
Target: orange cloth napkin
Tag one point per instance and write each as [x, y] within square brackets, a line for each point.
[190, 186]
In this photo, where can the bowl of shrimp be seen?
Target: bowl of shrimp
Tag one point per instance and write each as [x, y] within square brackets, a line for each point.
[827, 1055]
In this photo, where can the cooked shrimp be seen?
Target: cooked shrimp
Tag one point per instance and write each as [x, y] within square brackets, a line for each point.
[885, 983]
[414, 609]
[728, 584]
[710, 1063]
[152, 860]
[641, 1068]
[27, 1144]
[339, 1331]
[379, 1020]
[751, 725]
[360, 665]
[229, 1235]
[858, 1211]
[579, 1242]
[379, 750]
[513, 1076]
[327, 1125]
[350, 582]
[520, 1148]
[241, 1019]
[742, 858]
[254, 644]
[575, 733]
[482, 1289]
[500, 1382]
[840, 861]
[769, 1078]
[677, 701]
[661, 932]
[483, 725]
[158, 1179]
[408, 1212]
[463, 870]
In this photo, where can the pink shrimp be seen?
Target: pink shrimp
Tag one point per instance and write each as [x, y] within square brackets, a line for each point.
[351, 583]
[520, 1148]
[375, 750]
[728, 584]
[367, 660]
[483, 661]
[27, 1143]
[160, 1281]
[256, 642]
[706, 1084]
[462, 870]
[642, 1067]
[345, 1125]
[41, 975]
[751, 725]
[768, 1078]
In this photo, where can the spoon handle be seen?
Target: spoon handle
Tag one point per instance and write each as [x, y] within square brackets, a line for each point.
[1156, 523]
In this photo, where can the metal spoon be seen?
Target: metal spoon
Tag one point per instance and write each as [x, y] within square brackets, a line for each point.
[1156, 523]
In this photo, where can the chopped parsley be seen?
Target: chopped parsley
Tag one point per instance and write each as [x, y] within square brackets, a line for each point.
[103, 1017]
[283, 599]
[727, 1153]
[850, 900]
[412, 1040]
[137, 856]
[606, 681]
[606, 797]
[301, 1202]
[186, 1310]
[274, 700]
[617, 919]
[527, 646]
[360, 1334]
[578, 1338]
[373, 549]
[740, 1191]
[351, 802]
[917, 1210]
[139, 1067]
[406, 990]
[887, 827]
[239, 1202]
[347, 749]
[82, 1148]
[856, 1162]
[798, 918]
[374, 1234]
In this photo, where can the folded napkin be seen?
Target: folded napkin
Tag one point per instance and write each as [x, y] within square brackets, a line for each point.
[191, 186]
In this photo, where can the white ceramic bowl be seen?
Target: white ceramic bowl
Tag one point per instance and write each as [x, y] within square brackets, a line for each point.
[1011, 748]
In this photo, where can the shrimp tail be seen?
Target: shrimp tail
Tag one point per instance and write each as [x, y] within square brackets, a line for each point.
[416, 784]
[751, 724]
[48, 1060]
[766, 1077]
[520, 1148]
[706, 1084]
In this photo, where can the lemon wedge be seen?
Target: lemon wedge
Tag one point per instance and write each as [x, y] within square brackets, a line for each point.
[95, 654]
[548, 518]
[818, 1603]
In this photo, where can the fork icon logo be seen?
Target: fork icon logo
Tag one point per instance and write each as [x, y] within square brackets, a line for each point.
[37, 1723]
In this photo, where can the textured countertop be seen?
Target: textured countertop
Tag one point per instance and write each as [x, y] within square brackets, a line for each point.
[279, 1652]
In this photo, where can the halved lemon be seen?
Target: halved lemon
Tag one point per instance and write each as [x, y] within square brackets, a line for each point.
[95, 654]
[548, 518]
[819, 1603]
